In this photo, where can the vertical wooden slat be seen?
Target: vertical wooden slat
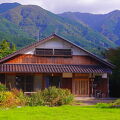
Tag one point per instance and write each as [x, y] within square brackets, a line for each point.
[29, 58]
[81, 84]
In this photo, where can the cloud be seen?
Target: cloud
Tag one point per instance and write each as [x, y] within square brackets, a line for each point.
[59, 6]
[92, 6]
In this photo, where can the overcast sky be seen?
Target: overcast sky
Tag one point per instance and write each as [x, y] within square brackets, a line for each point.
[59, 6]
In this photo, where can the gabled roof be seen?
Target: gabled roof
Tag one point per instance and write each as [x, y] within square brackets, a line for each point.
[48, 38]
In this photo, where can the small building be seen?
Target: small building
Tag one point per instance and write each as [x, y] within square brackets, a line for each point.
[55, 61]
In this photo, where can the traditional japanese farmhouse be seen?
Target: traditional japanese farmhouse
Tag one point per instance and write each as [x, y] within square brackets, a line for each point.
[55, 61]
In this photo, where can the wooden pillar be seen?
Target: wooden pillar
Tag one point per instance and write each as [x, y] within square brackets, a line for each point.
[73, 85]
[91, 89]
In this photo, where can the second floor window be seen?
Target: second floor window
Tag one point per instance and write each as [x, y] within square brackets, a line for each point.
[43, 52]
[62, 52]
[53, 52]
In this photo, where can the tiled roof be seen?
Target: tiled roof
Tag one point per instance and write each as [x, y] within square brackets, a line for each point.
[53, 68]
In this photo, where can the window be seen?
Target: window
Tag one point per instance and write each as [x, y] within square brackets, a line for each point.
[62, 52]
[53, 81]
[43, 52]
[53, 52]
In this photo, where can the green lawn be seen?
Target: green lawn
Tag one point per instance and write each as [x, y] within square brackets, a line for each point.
[60, 113]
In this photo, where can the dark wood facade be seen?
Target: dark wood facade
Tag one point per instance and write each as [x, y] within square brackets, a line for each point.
[79, 84]
[28, 58]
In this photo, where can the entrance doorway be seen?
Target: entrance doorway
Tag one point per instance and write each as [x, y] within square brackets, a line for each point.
[81, 84]
[81, 87]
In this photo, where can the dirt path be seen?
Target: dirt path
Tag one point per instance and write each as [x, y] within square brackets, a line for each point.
[92, 101]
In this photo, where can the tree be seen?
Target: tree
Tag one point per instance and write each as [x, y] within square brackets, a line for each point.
[6, 48]
[113, 55]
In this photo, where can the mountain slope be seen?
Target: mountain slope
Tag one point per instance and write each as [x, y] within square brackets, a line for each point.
[7, 6]
[13, 34]
[40, 23]
[106, 24]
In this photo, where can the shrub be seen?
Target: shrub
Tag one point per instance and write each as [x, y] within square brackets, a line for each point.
[56, 96]
[9, 100]
[20, 96]
[2, 97]
[103, 105]
[66, 97]
[2, 87]
[12, 98]
[36, 99]
[116, 103]
[51, 96]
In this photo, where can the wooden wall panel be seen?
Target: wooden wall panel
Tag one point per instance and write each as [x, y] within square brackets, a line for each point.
[66, 83]
[52, 60]
[80, 85]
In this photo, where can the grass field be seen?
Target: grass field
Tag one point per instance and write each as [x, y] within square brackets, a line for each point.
[60, 113]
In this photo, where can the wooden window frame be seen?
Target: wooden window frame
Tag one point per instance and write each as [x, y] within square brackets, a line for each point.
[53, 52]
[63, 52]
[44, 52]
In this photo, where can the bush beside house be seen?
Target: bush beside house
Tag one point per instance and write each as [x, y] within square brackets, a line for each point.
[114, 104]
[51, 96]
[12, 98]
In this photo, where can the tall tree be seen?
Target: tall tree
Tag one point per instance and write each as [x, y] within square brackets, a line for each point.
[6, 48]
[113, 56]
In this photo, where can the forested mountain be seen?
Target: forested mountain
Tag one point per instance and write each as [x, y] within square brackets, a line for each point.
[106, 24]
[23, 24]
[7, 6]
[13, 34]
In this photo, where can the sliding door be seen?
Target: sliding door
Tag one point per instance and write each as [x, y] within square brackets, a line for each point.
[81, 84]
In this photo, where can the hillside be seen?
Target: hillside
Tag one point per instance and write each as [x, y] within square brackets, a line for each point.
[13, 34]
[106, 24]
[40, 23]
[7, 6]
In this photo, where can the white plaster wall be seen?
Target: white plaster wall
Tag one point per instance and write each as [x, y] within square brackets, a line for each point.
[58, 44]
